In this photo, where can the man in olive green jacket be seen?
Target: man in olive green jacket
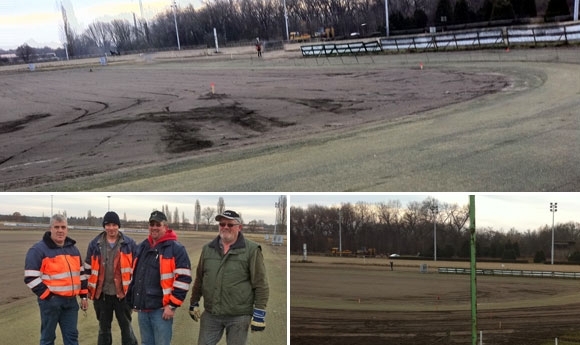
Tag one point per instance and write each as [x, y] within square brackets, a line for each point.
[231, 278]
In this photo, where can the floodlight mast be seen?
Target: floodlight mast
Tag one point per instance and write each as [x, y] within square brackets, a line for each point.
[286, 20]
[174, 6]
[553, 209]
[387, 17]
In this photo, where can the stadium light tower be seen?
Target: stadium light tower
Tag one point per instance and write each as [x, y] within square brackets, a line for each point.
[286, 20]
[553, 209]
[434, 210]
[174, 6]
[387, 17]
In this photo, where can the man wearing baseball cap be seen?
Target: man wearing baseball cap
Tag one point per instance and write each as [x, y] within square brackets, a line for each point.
[235, 265]
[161, 280]
[108, 265]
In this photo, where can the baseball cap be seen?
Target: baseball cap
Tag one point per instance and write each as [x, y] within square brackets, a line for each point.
[158, 216]
[229, 214]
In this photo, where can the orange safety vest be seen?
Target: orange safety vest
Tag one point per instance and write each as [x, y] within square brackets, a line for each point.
[62, 275]
[123, 268]
[169, 280]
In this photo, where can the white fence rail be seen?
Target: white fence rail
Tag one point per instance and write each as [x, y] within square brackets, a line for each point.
[532, 36]
[513, 273]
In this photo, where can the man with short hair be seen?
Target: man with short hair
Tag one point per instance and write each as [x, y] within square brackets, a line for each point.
[231, 278]
[161, 280]
[108, 265]
[53, 271]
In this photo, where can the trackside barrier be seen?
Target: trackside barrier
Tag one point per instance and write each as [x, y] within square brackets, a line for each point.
[513, 273]
[332, 49]
[532, 35]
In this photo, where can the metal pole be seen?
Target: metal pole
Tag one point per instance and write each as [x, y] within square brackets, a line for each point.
[387, 17]
[175, 20]
[286, 19]
[340, 232]
[108, 203]
[51, 203]
[553, 209]
[434, 210]
[276, 221]
[576, 10]
[473, 271]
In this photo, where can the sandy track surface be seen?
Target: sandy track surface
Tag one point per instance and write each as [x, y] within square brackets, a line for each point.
[366, 304]
[477, 121]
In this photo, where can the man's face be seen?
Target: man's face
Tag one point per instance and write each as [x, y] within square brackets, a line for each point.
[112, 230]
[156, 230]
[58, 232]
[229, 230]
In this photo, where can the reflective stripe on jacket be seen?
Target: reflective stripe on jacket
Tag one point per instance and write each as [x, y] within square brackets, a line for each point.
[123, 265]
[52, 269]
[161, 275]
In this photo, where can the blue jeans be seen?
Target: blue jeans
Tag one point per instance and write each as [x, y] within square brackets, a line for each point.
[154, 330]
[211, 329]
[62, 311]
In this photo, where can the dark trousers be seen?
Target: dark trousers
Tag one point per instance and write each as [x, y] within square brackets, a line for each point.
[104, 307]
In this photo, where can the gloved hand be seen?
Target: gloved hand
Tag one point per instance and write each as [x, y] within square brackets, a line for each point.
[194, 311]
[258, 323]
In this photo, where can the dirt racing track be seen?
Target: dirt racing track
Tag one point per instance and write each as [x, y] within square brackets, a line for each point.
[477, 121]
[366, 303]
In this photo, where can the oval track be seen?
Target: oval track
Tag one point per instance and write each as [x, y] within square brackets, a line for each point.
[523, 139]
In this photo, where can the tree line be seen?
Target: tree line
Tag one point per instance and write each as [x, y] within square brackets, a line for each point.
[203, 218]
[389, 228]
[241, 21]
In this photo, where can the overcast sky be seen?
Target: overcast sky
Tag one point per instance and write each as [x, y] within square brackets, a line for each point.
[500, 211]
[136, 206]
[41, 20]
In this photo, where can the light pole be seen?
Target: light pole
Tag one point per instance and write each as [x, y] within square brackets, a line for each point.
[553, 209]
[339, 232]
[434, 210]
[51, 212]
[108, 203]
[286, 20]
[387, 17]
[276, 205]
[174, 6]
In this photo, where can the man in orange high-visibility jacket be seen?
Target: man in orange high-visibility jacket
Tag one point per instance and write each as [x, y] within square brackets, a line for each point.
[109, 267]
[53, 271]
[161, 280]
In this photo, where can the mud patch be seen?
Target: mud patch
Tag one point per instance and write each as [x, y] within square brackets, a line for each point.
[16, 125]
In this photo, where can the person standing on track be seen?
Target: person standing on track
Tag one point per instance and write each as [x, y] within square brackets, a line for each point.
[108, 265]
[231, 278]
[259, 47]
[161, 280]
[53, 271]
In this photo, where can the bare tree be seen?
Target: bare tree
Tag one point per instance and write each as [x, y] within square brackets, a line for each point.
[208, 214]
[25, 52]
